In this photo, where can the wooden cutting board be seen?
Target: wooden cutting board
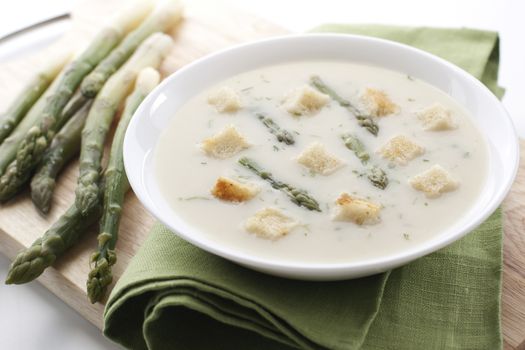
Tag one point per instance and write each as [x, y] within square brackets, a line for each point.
[208, 26]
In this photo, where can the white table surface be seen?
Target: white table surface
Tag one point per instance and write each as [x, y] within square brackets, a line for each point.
[33, 318]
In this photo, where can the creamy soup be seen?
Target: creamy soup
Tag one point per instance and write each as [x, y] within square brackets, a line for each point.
[428, 158]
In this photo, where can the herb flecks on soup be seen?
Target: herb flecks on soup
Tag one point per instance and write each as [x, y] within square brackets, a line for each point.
[321, 162]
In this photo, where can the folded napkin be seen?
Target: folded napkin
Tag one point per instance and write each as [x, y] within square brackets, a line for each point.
[176, 296]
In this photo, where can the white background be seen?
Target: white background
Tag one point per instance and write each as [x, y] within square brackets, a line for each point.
[33, 318]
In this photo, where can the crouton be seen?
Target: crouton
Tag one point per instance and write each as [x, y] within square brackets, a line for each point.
[232, 191]
[356, 210]
[270, 223]
[304, 100]
[434, 181]
[225, 100]
[436, 118]
[377, 103]
[224, 144]
[400, 149]
[316, 158]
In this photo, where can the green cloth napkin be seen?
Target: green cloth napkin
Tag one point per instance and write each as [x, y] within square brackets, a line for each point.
[176, 296]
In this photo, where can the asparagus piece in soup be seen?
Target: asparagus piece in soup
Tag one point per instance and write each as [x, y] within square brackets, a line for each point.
[377, 177]
[281, 134]
[355, 145]
[375, 174]
[297, 196]
[365, 121]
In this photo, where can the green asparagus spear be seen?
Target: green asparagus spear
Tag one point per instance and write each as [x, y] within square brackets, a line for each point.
[10, 145]
[365, 121]
[281, 134]
[65, 146]
[36, 141]
[30, 94]
[161, 19]
[297, 196]
[31, 262]
[374, 174]
[76, 102]
[11, 181]
[116, 186]
[354, 144]
[150, 53]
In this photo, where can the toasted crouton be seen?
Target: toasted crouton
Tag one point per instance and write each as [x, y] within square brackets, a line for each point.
[232, 191]
[270, 223]
[304, 100]
[224, 144]
[434, 181]
[356, 210]
[377, 103]
[400, 149]
[225, 100]
[436, 118]
[316, 158]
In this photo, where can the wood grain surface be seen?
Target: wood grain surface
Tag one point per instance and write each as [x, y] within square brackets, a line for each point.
[207, 27]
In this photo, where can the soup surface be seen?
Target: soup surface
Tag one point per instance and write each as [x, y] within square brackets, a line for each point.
[416, 204]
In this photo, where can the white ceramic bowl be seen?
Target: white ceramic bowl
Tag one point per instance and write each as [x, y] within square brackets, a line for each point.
[154, 114]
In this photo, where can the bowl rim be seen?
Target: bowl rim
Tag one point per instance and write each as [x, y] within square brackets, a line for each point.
[340, 269]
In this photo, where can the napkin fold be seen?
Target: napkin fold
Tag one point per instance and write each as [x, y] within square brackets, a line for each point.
[176, 296]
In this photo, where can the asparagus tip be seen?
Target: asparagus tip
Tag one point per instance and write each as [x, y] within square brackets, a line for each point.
[99, 278]
[29, 264]
[42, 193]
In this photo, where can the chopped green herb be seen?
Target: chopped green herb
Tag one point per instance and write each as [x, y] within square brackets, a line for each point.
[193, 198]
[410, 99]
[204, 163]
[425, 160]
[466, 155]
[406, 236]
[247, 89]
[275, 148]
[410, 78]
[426, 204]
